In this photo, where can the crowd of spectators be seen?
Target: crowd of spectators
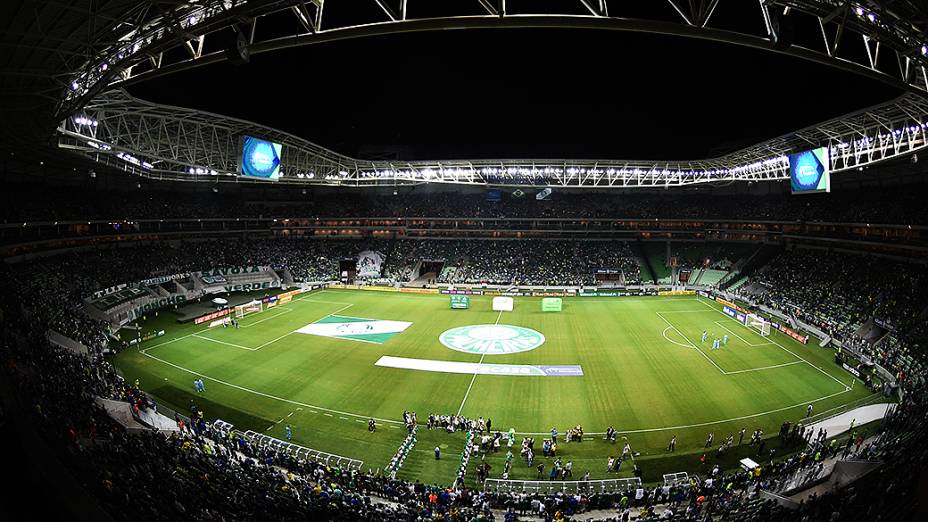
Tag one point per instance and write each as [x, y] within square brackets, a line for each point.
[838, 291]
[537, 262]
[202, 474]
[902, 205]
[715, 255]
[77, 276]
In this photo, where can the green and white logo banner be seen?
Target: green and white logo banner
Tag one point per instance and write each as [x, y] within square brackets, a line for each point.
[369, 263]
[355, 328]
[491, 339]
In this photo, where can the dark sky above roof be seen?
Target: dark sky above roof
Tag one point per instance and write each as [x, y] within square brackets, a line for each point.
[525, 93]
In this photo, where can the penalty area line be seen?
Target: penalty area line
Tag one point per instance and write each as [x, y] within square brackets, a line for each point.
[217, 341]
[764, 368]
[311, 407]
[846, 387]
[745, 341]
[272, 316]
[204, 330]
[693, 346]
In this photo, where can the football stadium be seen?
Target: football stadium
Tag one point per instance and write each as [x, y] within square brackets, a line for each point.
[477, 260]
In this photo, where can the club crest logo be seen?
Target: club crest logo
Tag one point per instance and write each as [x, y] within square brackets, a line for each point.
[491, 339]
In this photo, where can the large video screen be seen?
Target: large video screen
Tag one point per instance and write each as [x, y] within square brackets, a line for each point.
[809, 171]
[260, 159]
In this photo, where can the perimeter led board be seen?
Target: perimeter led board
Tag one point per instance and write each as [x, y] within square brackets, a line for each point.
[260, 159]
[809, 172]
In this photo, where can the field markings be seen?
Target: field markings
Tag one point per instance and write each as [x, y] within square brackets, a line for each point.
[664, 333]
[217, 341]
[143, 350]
[847, 388]
[670, 326]
[198, 333]
[708, 423]
[693, 346]
[764, 368]
[700, 311]
[749, 343]
[313, 408]
[282, 312]
[390, 422]
[310, 300]
[474, 378]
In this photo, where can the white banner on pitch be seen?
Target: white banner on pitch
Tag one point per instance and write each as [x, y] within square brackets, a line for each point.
[502, 304]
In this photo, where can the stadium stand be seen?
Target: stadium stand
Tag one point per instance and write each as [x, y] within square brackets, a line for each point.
[839, 291]
[900, 206]
[167, 471]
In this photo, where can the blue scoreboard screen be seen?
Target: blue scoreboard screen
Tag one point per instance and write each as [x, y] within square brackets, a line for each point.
[260, 159]
[810, 172]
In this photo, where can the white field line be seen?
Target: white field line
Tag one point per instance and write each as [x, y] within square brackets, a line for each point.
[317, 409]
[143, 350]
[267, 395]
[764, 368]
[391, 421]
[724, 372]
[197, 333]
[272, 341]
[310, 300]
[847, 388]
[709, 423]
[329, 411]
[282, 312]
[700, 311]
[693, 346]
[749, 343]
[664, 333]
[217, 341]
[474, 378]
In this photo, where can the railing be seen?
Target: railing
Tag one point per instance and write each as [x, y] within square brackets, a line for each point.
[844, 408]
[674, 479]
[559, 486]
[300, 453]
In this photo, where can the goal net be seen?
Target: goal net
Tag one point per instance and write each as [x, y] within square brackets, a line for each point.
[248, 308]
[759, 324]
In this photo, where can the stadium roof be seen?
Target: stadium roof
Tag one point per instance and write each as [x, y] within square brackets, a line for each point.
[67, 53]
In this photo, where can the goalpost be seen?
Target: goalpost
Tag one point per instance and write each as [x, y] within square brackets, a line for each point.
[248, 308]
[759, 324]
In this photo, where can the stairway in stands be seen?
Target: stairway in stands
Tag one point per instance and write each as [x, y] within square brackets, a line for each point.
[387, 254]
[758, 259]
[647, 271]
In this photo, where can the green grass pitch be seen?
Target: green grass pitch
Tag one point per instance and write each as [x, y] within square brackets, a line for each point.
[645, 372]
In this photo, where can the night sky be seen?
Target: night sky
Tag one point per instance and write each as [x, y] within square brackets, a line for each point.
[524, 93]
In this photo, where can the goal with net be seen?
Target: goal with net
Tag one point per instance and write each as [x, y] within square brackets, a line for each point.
[759, 324]
[248, 308]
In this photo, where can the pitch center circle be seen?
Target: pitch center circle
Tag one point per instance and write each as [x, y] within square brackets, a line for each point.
[492, 339]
